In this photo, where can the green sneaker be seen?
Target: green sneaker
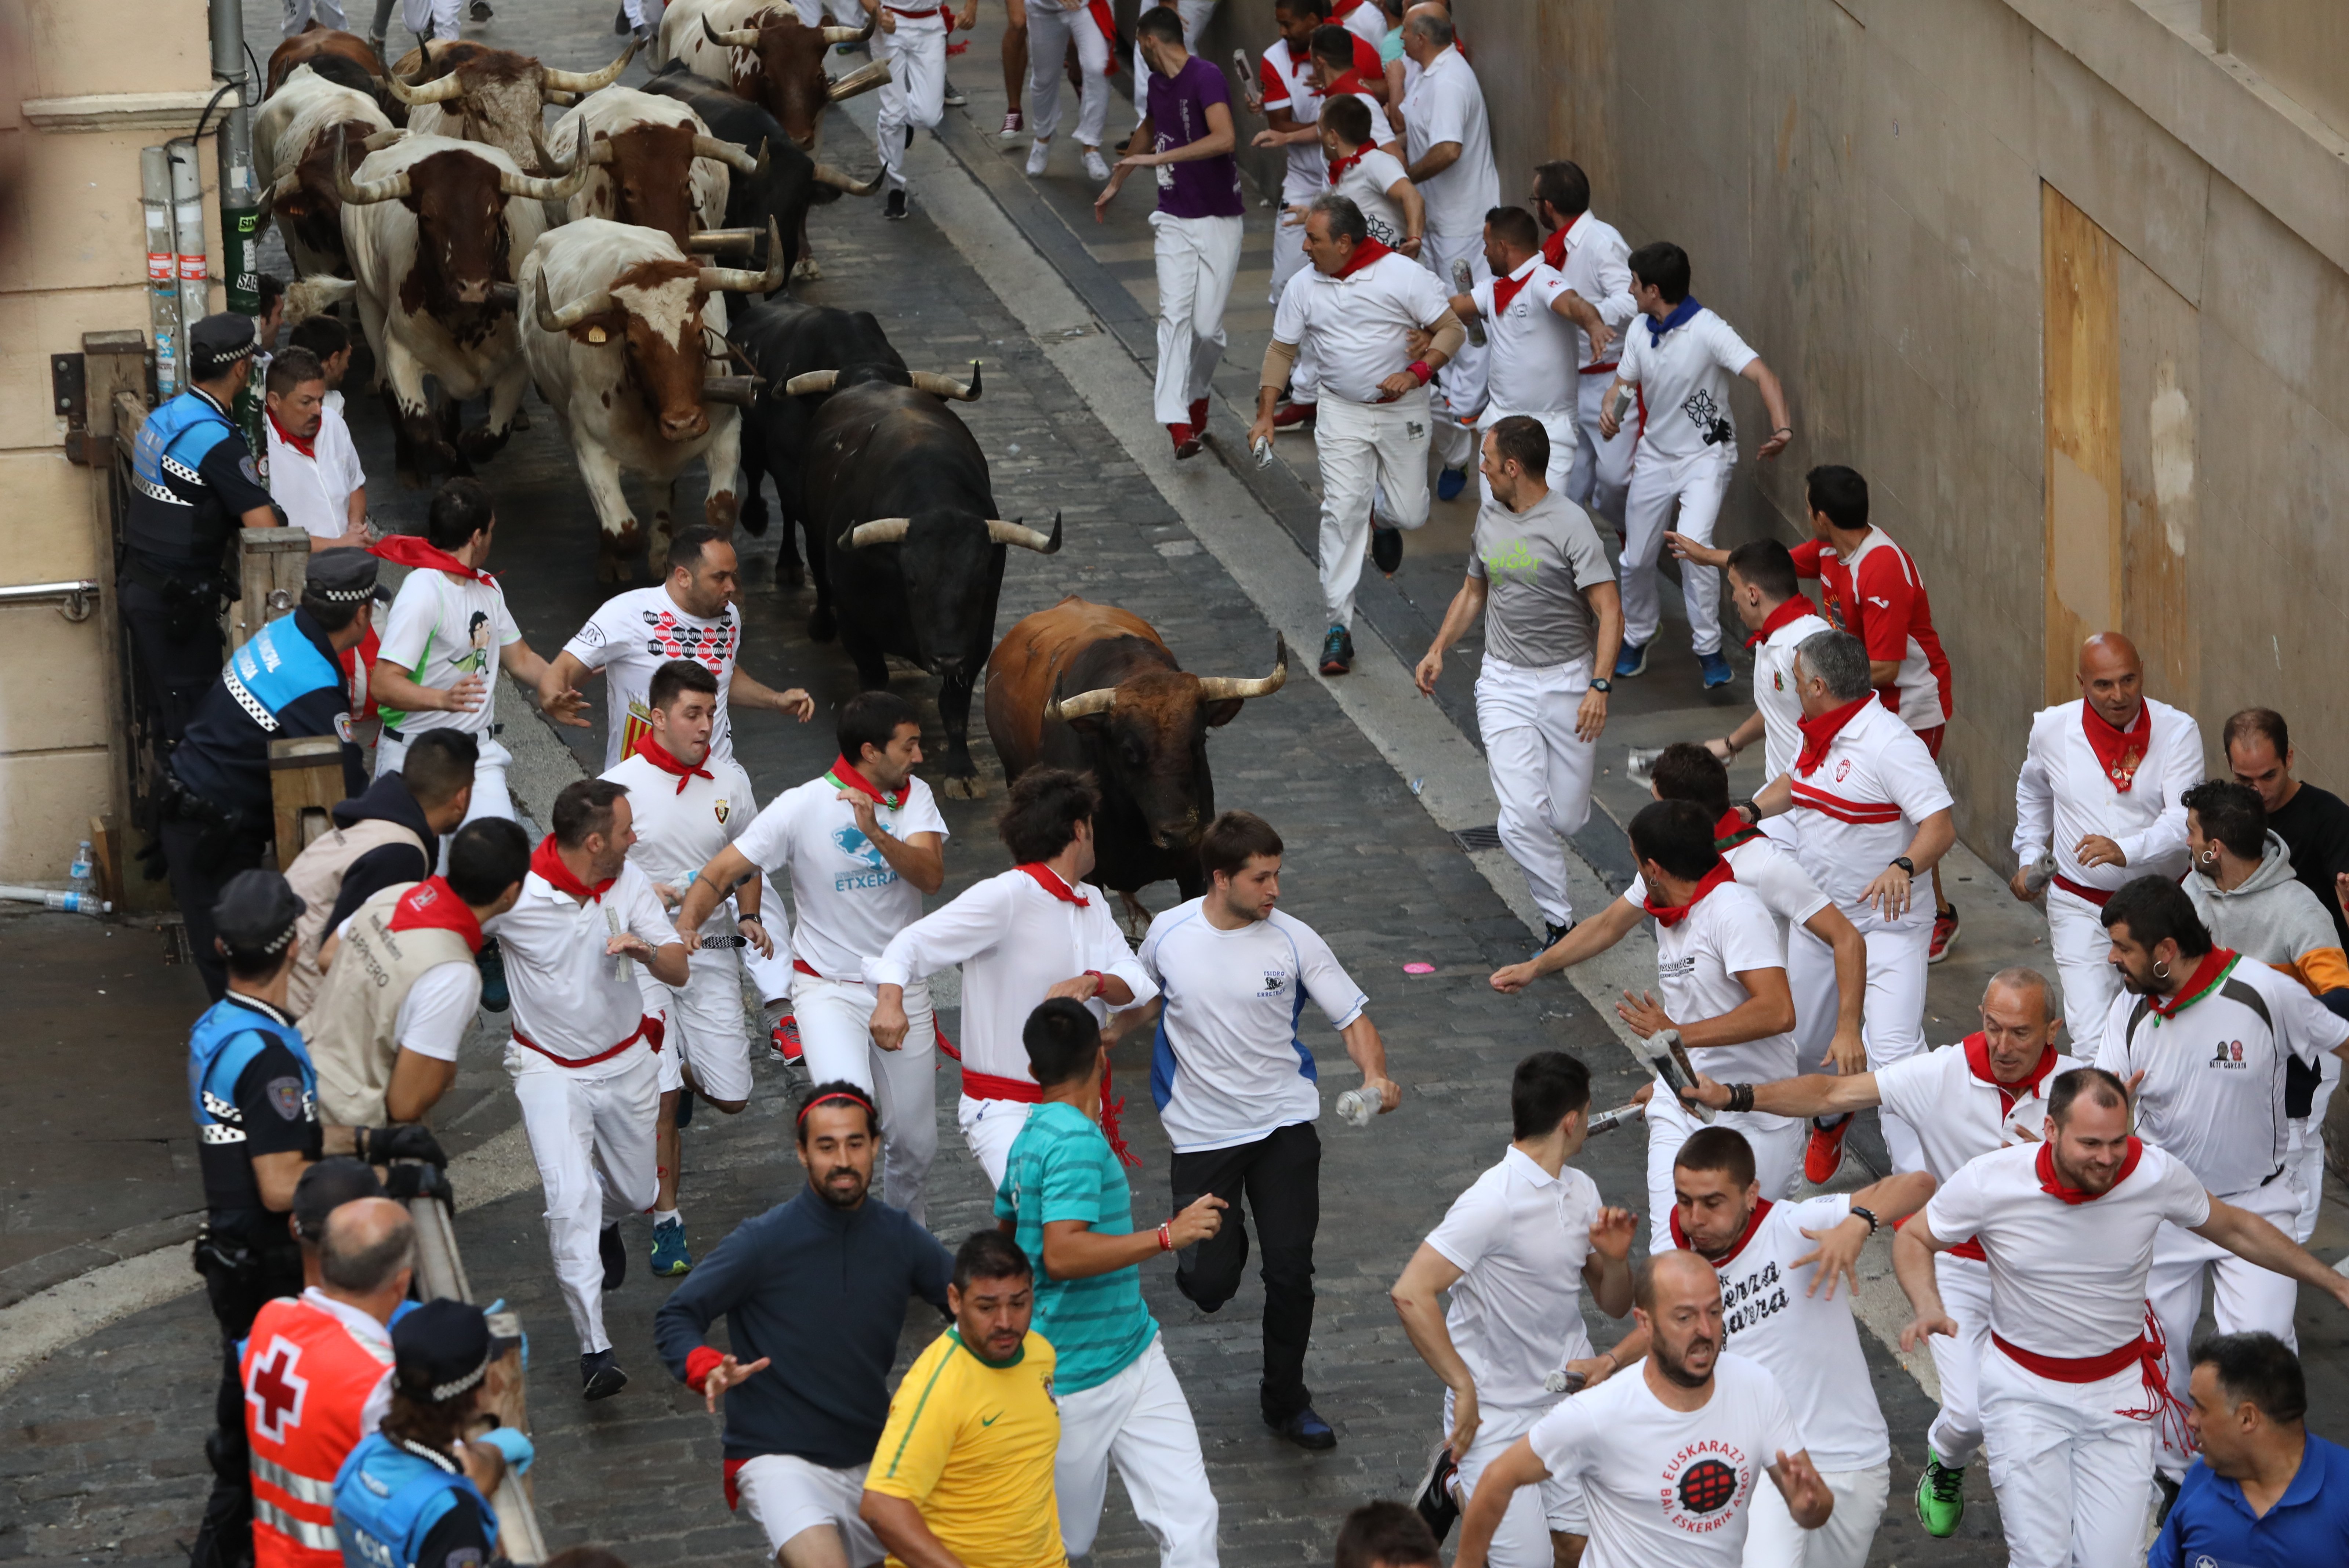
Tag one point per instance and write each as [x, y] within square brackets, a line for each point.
[670, 1258]
[1940, 1497]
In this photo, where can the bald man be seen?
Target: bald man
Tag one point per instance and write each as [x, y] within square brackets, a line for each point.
[2103, 791]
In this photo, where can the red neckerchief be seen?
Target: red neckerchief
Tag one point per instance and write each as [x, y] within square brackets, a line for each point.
[1369, 251]
[1669, 914]
[1553, 249]
[433, 906]
[1731, 831]
[1819, 734]
[2200, 984]
[1753, 1225]
[1349, 82]
[306, 448]
[549, 864]
[843, 775]
[1345, 8]
[1978, 1063]
[414, 550]
[2073, 1195]
[1108, 26]
[1793, 610]
[1506, 289]
[1049, 880]
[2119, 752]
[1340, 165]
[652, 751]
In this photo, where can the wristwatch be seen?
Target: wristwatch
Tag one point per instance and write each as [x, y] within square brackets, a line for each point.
[1602, 686]
[1750, 809]
[1905, 864]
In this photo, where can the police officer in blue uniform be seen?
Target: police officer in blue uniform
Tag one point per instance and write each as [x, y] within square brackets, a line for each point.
[217, 815]
[416, 1494]
[253, 1092]
[193, 484]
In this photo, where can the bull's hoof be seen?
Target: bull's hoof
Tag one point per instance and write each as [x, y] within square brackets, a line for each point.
[807, 271]
[481, 444]
[614, 569]
[790, 574]
[752, 514]
[722, 509]
[657, 557]
[821, 626]
[967, 787]
[617, 553]
[521, 419]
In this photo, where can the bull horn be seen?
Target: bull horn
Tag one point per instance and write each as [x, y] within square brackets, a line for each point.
[383, 139]
[1225, 688]
[587, 81]
[548, 161]
[732, 39]
[560, 99]
[836, 34]
[561, 187]
[999, 532]
[880, 531]
[808, 381]
[553, 320]
[738, 391]
[826, 174]
[705, 242]
[741, 280]
[286, 185]
[737, 159]
[860, 81]
[1083, 705]
[939, 386]
[439, 89]
[355, 192]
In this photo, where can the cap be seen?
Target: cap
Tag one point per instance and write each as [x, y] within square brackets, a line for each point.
[325, 1187]
[255, 915]
[343, 576]
[440, 1350]
[219, 341]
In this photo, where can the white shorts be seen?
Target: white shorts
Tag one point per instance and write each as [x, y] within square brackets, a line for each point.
[1535, 1513]
[708, 1030]
[788, 1496]
[1773, 1539]
[988, 1128]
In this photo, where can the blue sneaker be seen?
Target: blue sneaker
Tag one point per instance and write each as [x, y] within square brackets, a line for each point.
[1337, 652]
[1450, 484]
[1632, 660]
[670, 1258]
[1717, 670]
[492, 965]
[1305, 1429]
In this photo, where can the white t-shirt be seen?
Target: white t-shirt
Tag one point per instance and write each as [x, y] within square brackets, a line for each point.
[1775, 695]
[1535, 350]
[1958, 1111]
[1229, 1065]
[1664, 1485]
[1765, 867]
[1698, 961]
[1445, 104]
[1365, 181]
[315, 492]
[1861, 808]
[679, 831]
[1519, 1238]
[1810, 1344]
[2061, 796]
[1358, 323]
[2065, 1280]
[437, 1010]
[633, 635]
[443, 628]
[567, 997]
[846, 901]
[1684, 384]
[1597, 266]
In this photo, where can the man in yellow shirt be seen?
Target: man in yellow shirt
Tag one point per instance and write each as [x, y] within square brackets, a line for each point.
[963, 1476]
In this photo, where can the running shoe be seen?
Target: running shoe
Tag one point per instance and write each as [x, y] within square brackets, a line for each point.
[783, 1045]
[1039, 150]
[1290, 414]
[1945, 931]
[600, 1377]
[671, 1260]
[895, 207]
[492, 963]
[620, 22]
[1632, 660]
[482, 12]
[1940, 1497]
[1386, 548]
[1096, 166]
[614, 1256]
[1199, 416]
[1553, 933]
[1014, 123]
[953, 97]
[1717, 670]
[1823, 1156]
[1337, 652]
[1306, 1431]
[1186, 440]
[1433, 1501]
[1450, 484]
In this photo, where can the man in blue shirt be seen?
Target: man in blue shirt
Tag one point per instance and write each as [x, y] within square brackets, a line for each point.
[2266, 1492]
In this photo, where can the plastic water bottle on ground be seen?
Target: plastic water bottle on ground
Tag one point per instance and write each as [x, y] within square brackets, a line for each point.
[78, 878]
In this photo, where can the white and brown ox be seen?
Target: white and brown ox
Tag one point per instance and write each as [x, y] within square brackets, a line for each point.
[432, 227]
[618, 341]
[300, 130]
[475, 93]
[655, 164]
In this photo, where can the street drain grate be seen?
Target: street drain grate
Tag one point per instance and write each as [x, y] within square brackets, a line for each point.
[1473, 838]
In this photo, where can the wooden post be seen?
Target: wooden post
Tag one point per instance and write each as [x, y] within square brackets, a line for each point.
[306, 783]
[440, 1272]
[272, 566]
[516, 1500]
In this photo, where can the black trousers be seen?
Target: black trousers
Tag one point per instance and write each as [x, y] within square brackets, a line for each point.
[201, 862]
[224, 1537]
[177, 671]
[1278, 1178]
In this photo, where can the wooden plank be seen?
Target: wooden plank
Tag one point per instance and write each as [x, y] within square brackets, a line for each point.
[272, 566]
[306, 783]
[2080, 264]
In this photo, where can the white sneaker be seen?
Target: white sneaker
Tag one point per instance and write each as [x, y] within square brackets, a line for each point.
[1096, 165]
[1037, 152]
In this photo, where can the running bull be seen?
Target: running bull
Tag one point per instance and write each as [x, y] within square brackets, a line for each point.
[470, 91]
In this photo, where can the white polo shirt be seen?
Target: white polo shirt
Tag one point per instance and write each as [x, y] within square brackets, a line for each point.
[1446, 104]
[1597, 266]
[846, 900]
[1698, 961]
[1015, 942]
[1358, 322]
[1365, 181]
[1861, 808]
[1664, 1485]
[1229, 1065]
[1535, 350]
[1775, 695]
[1810, 1344]
[2214, 1070]
[566, 999]
[1766, 869]
[2063, 794]
[1683, 381]
[681, 829]
[1958, 1111]
[315, 492]
[2065, 1279]
[1519, 1237]
[443, 628]
[630, 636]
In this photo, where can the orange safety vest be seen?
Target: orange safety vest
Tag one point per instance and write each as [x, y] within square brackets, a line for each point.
[306, 1381]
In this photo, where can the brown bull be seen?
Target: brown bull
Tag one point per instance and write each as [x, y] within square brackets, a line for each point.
[1094, 689]
[475, 93]
[777, 62]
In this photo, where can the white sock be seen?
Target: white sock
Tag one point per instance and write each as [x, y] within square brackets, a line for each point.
[663, 1216]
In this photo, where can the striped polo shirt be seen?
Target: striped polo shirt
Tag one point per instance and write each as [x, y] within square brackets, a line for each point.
[1062, 1168]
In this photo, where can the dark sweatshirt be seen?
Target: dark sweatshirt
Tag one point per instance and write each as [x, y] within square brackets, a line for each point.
[821, 1290]
[386, 800]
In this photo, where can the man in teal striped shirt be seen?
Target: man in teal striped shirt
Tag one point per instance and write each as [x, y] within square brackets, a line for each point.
[1065, 1195]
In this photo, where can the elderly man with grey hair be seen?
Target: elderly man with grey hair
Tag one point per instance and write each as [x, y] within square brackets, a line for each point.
[1357, 305]
[1876, 817]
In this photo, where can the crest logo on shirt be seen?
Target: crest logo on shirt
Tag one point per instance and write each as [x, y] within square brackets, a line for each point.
[851, 842]
[722, 809]
[1777, 680]
[1275, 983]
[1702, 1485]
[1843, 770]
[2229, 1053]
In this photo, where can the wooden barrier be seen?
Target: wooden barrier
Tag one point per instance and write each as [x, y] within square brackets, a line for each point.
[306, 783]
[272, 565]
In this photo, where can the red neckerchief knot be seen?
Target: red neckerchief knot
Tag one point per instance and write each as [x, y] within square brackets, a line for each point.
[1786, 614]
[1978, 1063]
[411, 550]
[306, 446]
[1731, 831]
[2053, 1187]
[1819, 734]
[548, 863]
[1340, 165]
[433, 906]
[652, 751]
[2119, 752]
[1049, 880]
[1506, 289]
[2214, 968]
[1669, 914]
[843, 775]
[1365, 253]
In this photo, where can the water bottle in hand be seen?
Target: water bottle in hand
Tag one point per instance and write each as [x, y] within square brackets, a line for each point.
[2039, 873]
[1463, 281]
[1359, 1106]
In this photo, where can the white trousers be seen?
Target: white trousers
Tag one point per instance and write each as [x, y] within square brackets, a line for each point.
[1773, 1539]
[2307, 1156]
[435, 18]
[787, 1496]
[1540, 769]
[590, 1132]
[298, 13]
[1139, 1421]
[1681, 497]
[1195, 14]
[1198, 262]
[1956, 1434]
[2243, 1297]
[2083, 954]
[835, 1030]
[1558, 425]
[916, 93]
[1602, 467]
[491, 797]
[708, 1033]
[1892, 1015]
[988, 1128]
[1364, 447]
[1049, 34]
[644, 13]
[1522, 1540]
[1776, 1141]
[2074, 1477]
[1459, 388]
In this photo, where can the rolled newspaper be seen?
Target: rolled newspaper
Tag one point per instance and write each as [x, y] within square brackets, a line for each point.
[1465, 282]
[1668, 1059]
[619, 961]
[1608, 1121]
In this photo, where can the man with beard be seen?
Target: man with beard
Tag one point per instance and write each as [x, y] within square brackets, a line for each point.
[1668, 1460]
[832, 1268]
[2069, 1228]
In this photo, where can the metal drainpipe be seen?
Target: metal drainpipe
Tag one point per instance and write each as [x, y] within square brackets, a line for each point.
[240, 192]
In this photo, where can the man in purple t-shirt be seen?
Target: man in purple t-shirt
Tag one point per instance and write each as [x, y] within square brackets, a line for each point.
[1198, 223]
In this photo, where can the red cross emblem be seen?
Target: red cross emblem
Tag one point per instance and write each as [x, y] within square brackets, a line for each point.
[277, 1391]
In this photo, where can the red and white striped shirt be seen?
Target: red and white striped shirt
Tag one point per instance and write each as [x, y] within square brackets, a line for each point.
[1861, 807]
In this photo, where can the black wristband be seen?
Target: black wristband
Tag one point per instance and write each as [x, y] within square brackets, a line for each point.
[1741, 1097]
[1868, 1214]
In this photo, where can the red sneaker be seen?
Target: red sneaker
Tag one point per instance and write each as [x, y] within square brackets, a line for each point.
[1945, 931]
[1199, 416]
[1186, 440]
[1293, 414]
[784, 1044]
[1824, 1156]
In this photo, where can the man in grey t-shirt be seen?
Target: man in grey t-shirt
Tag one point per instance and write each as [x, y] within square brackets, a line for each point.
[1539, 576]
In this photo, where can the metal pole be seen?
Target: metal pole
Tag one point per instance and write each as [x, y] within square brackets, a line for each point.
[240, 192]
[162, 267]
[187, 235]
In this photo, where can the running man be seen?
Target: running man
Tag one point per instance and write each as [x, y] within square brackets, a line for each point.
[1778, 616]
[912, 40]
[1592, 258]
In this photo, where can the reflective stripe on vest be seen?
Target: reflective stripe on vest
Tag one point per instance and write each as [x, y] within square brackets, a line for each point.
[307, 1383]
[306, 1537]
[221, 1045]
[277, 668]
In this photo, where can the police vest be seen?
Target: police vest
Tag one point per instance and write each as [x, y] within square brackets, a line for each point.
[173, 511]
[223, 1044]
[307, 1381]
[276, 669]
[388, 1498]
[353, 1025]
